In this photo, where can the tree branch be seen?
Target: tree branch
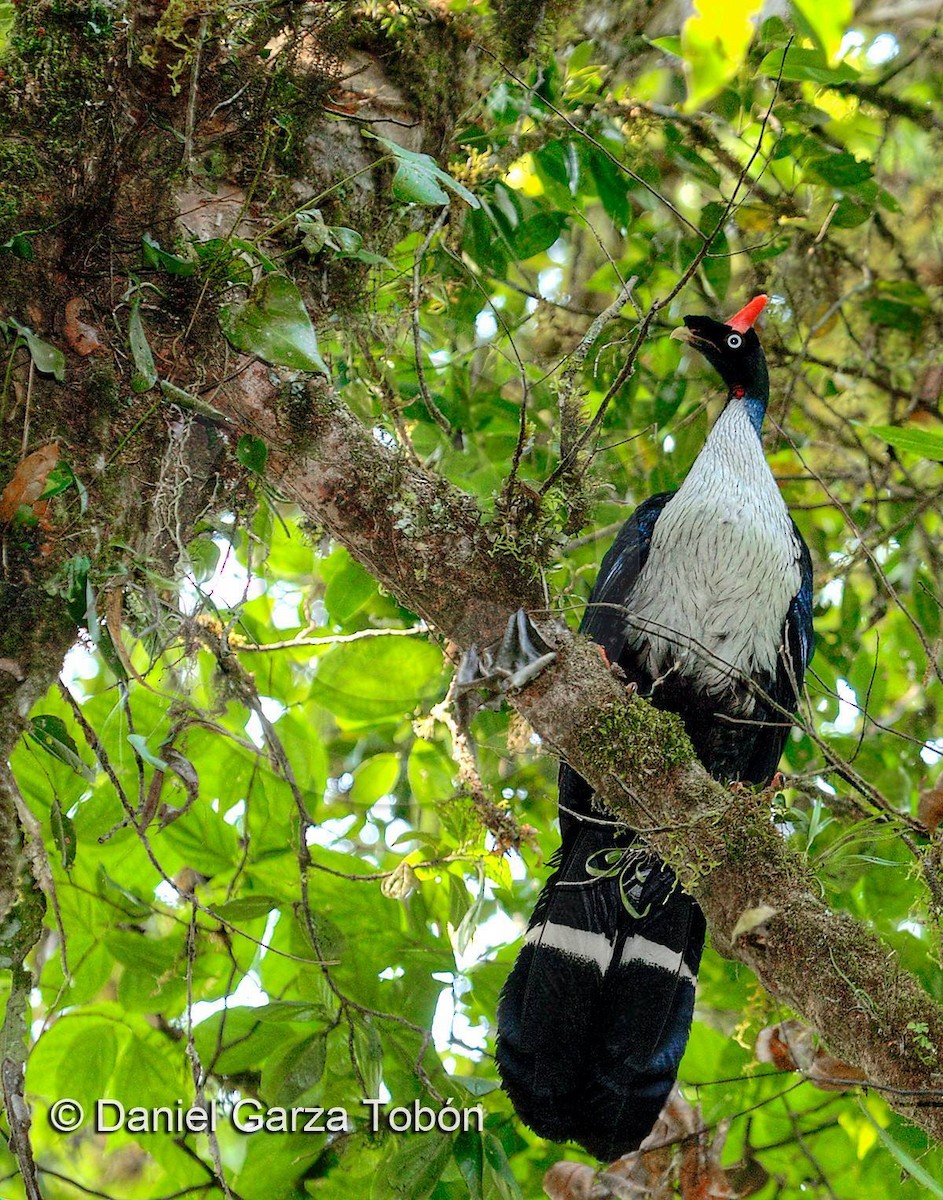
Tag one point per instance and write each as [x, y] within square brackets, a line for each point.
[428, 542]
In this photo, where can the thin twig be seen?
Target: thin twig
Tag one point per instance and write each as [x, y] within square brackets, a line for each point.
[334, 639]
[194, 93]
[575, 360]
[431, 407]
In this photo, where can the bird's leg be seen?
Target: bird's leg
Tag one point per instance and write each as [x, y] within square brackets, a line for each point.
[512, 663]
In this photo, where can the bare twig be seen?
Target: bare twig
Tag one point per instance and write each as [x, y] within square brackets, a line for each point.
[431, 407]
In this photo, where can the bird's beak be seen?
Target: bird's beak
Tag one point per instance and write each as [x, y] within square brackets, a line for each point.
[683, 334]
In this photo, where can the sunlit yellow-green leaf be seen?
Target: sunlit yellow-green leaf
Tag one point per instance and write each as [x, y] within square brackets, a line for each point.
[714, 42]
[828, 22]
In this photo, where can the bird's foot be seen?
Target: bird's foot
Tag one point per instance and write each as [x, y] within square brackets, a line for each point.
[512, 663]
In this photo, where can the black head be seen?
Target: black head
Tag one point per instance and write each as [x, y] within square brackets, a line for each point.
[732, 348]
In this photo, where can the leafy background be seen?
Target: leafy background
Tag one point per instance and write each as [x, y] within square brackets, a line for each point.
[797, 155]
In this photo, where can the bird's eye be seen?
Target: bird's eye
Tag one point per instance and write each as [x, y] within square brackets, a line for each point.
[735, 341]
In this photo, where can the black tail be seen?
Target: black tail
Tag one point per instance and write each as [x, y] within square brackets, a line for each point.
[595, 1015]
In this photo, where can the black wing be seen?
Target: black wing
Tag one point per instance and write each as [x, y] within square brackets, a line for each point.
[605, 618]
[605, 621]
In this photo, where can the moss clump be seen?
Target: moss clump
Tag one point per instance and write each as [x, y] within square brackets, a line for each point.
[101, 388]
[522, 24]
[638, 737]
[19, 168]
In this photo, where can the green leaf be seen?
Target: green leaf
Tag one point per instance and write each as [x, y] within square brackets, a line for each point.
[419, 177]
[139, 742]
[431, 773]
[252, 452]
[849, 215]
[840, 170]
[714, 43]
[225, 260]
[469, 922]
[374, 778]
[906, 1161]
[59, 480]
[274, 324]
[241, 1041]
[805, 65]
[46, 358]
[177, 395]
[922, 442]
[19, 244]
[670, 45]
[368, 1052]
[119, 896]
[63, 833]
[469, 1155]
[246, 908]
[296, 1071]
[500, 1168]
[49, 732]
[417, 1165]
[86, 1062]
[716, 264]
[345, 241]
[140, 350]
[348, 590]
[203, 840]
[537, 233]
[827, 22]
[281, 1012]
[377, 679]
[416, 182]
[476, 1085]
[163, 260]
[204, 555]
[898, 304]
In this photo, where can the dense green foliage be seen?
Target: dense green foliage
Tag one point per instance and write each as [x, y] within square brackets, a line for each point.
[801, 159]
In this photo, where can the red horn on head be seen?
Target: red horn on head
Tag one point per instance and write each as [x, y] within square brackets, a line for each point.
[746, 317]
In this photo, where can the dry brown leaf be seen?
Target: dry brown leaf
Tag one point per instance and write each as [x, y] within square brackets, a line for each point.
[114, 621]
[28, 483]
[930, 808]
[748, 1177]
[152, 799]
[832, 1075]
[570, 1181]
[701, 1176]
[82, 338]
[790, 1046]
[678, 1158]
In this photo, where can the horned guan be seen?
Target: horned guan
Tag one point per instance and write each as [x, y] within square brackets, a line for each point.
[705, 602]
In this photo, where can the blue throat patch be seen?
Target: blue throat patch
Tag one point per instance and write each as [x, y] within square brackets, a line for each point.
[756, 411]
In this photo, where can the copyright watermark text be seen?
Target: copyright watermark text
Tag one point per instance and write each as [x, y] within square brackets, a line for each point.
[249, 1116]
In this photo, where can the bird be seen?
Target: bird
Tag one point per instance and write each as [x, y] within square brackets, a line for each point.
[704, 601]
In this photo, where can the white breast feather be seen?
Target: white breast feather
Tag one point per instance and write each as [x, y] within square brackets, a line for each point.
[710, 603]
